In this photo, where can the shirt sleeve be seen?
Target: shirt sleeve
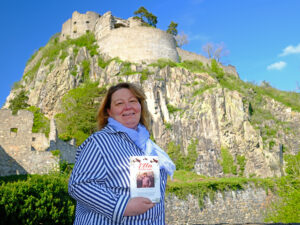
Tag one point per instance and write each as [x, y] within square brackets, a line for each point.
[87, 184]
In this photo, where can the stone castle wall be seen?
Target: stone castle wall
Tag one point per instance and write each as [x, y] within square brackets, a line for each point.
[246, 206]
[79, 24]
[139, 44]
[125, 39]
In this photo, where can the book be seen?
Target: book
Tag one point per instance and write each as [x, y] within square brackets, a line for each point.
[145, 177]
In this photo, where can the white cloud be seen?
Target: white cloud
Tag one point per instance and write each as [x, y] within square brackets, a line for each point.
[290, 50]
[277, 66]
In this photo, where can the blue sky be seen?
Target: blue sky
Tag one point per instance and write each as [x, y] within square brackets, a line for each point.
[262, 36]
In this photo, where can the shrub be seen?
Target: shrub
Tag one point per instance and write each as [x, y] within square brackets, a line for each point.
[86, 70]
[161, 63]
[36, 199]
[182, 161]
[172, 109]
[19, 102]
[41, 124]
[285, 209]
[192, 65]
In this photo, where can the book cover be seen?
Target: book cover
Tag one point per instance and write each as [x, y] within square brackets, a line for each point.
[145, 177]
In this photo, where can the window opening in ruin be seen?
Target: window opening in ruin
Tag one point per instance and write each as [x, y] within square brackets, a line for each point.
[118, 25]
[87, 21]
[33, 139]
[74, 22]
[74, 31]
[13, 132]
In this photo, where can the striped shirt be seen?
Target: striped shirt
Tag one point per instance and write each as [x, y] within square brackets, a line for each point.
[100, 181]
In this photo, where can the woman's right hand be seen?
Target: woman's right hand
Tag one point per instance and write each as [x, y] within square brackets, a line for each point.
[138, 205]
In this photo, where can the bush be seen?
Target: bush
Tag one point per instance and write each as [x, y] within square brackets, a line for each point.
[36, 199]
[285, 209]
[192, 65]
[41, 124]
[161, 63]
[182, 161]
[19, 102]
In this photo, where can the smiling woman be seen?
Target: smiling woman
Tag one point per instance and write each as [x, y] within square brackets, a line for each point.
[125, 108]
[100, 180]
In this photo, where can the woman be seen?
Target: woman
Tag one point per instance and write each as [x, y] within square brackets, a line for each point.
[100, 179]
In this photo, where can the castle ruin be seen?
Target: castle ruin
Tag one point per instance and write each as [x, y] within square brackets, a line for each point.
[22, 151]
[126, 39]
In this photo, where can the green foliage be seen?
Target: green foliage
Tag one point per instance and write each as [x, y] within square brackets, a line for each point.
[144, 75]
[17, 85]
[172, 28]
[168, 126]
[227, 162]
[182, 161]
[86, 70]
[126, 69]
[19, 102]
[41, 124]
[202, 89]
[74, 71]
[161, 63]
[219, 72]
[36, 199]
[55, 48]
[192, 65]
[80, 105]
[63, 55]
[241, 161]
[229, 165]
[144, 15]
[285, 209]
[102, 63]
[172, 109]
[56, 152]
[29, 75]
[31, 57]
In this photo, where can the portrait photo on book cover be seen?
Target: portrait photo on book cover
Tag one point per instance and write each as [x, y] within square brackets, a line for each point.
[145, 179]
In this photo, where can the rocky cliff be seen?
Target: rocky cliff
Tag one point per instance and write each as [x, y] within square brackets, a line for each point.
[208, 109]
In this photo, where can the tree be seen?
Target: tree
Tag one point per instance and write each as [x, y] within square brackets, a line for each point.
[172, 28]
[144, 15]
[215, 51]
[181, 39]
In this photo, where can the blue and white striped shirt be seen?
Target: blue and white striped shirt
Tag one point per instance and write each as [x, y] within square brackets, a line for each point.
[100, 181]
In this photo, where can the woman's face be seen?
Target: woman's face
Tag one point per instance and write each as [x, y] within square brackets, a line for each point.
[125, 108]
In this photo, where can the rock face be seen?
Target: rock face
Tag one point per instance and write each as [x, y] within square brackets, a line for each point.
[204, 112]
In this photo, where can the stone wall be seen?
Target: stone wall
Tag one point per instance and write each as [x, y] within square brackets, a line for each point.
[79, 24]
[186, 55]
[139, 44]
[231, 207]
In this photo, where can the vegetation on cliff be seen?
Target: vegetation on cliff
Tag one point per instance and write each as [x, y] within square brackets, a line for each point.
[79, 108]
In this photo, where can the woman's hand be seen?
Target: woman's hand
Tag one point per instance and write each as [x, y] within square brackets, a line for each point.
[138, 205]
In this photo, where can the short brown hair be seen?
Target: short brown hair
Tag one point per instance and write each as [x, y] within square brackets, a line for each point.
[102, 117]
